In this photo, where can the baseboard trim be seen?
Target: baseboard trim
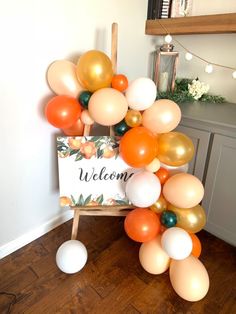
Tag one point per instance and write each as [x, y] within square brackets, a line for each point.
[32, 235]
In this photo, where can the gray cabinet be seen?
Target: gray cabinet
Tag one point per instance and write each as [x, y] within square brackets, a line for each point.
[212, 128]
[220, 189]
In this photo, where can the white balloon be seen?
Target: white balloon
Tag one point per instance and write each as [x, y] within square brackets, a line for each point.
[143, 189]
[174, 170]
[177, 243]
[71, 256]
[141, 93]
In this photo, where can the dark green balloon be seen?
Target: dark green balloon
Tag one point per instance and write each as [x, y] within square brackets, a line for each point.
[168, 218]
[121, 128]
[84, 98]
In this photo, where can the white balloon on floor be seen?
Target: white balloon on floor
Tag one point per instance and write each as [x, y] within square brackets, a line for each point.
[71, 256]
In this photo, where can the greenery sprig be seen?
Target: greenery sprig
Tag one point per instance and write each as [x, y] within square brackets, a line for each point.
[181, 93]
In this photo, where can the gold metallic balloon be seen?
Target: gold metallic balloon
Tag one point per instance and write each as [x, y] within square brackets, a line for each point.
[175, 148]
[159, 205]
[190, 219]
[133, 118]
[94, 70]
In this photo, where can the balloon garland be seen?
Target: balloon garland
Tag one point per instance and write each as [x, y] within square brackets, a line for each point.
[167, 213]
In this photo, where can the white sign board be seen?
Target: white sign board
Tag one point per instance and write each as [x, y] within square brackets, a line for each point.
[91, 172]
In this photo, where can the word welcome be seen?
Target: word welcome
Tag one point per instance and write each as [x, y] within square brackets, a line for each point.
[103, 175]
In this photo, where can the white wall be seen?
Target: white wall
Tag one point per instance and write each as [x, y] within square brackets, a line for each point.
[34, 33]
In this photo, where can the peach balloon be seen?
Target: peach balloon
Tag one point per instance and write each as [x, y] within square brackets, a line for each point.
[189, 278]
[153, 258]
[162, 117]
[62, 79]
[107, 106]
[76, 129]
[86, 118]
[183, 190]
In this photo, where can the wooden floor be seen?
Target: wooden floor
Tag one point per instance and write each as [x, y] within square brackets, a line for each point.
[112, 280]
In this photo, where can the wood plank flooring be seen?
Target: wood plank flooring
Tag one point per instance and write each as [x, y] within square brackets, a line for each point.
[112, 280]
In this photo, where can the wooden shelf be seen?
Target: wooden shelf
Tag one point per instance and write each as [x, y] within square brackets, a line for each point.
[203, 24]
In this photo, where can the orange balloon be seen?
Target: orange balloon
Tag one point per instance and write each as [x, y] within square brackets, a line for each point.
[62, 111]
[142, 225]
[197, 247]
[162, 174]
[76, 129]
[119, 82]
[138, 147]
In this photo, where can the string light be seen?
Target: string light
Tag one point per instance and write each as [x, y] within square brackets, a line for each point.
[189, 54]
[209, 68]
[168, 39]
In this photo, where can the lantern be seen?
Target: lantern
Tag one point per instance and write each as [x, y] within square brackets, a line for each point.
[165, 68]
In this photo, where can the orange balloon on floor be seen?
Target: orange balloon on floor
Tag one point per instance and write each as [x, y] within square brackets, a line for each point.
[138, 147]
[197, 247]
[142, 225]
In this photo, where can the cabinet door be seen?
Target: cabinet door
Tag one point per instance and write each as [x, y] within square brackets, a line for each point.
[220, 189]
[201, 142]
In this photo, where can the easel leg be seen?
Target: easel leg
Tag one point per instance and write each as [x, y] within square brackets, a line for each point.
[75, 225]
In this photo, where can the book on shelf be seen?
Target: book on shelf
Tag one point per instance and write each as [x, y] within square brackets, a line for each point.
[159, 9]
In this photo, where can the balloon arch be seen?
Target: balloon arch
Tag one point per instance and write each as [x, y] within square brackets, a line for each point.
[166, 197]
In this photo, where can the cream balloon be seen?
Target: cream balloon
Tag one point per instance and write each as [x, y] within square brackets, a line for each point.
[86, 118]
[189, 278]
[143, 189]
[62, 79]
[141, 93]
[153, 166]
[153, 258]
[174, 170]
[183, 190]
[162, 117]
[107, 106]
[177, 243]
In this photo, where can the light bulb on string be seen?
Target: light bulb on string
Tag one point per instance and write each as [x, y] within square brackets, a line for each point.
[168, 39]
[234, 74]
[188, 56]
[209, 68]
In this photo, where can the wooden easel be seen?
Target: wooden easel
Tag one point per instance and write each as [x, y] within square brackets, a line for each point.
[101, 210]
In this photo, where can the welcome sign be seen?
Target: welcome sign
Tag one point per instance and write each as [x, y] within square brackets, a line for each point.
[91, 172]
